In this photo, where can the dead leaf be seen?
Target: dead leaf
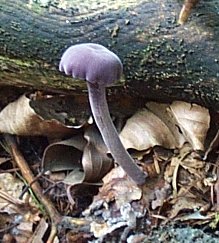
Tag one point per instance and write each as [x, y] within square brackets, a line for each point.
[196, 216]
[185, 203]
[163, 112]
[85, 157]
[24, 213]
[126, 216]
[20, 119]
[95, 161]
[119, 188]
[194, 122]
[169, 126]
[114, 203]
[70, 110]
[145, 130]
[137, 238]
[12, 186]
[64, 155]
[24, 230]
[188, 160]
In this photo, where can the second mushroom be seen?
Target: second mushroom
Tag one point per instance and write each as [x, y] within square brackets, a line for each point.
[100, 67]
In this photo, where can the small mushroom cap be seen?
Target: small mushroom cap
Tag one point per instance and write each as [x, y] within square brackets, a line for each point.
[91, 62]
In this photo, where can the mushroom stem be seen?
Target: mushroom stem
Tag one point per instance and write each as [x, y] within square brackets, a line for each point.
[100, 110]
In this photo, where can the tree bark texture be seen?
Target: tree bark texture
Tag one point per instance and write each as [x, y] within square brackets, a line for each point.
[163, 60]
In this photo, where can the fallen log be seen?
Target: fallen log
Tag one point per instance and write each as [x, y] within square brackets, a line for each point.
[163, 60]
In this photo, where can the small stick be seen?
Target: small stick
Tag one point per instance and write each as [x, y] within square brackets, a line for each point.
[186, 10]
[29, 177]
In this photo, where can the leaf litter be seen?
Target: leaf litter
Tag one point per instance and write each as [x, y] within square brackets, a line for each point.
[168, 142]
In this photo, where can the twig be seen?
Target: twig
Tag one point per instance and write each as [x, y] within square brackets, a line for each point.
[186, 10]
[29, 177]
[8, 198]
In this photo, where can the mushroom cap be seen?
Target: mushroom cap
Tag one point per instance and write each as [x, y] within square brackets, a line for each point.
[91, 62]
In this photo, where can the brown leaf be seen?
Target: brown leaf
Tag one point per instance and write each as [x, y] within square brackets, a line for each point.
[64, 155]
[163, 112]
[86, 158]
[188, 160]
[75, 177]
[72, 110]
[197, 217]
[20, 119]
[118, 204]
[194, 122]
[145, 130]
[185, 203]
[166, 126]
[95, 161]
[117, 186]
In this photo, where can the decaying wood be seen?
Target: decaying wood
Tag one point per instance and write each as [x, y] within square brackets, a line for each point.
[162, 60]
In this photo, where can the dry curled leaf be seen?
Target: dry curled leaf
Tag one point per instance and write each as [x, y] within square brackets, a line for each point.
[20, 119]
[85, 157]
[64, 155]
[169, 126]
[163, 112]
[145, 130]
[193, 120]
[95, 158]
[72, 110]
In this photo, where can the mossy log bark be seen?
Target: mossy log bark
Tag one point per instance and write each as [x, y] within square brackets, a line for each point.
[163, 61]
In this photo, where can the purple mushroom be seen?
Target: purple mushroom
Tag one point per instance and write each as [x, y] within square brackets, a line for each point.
[100, 68]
